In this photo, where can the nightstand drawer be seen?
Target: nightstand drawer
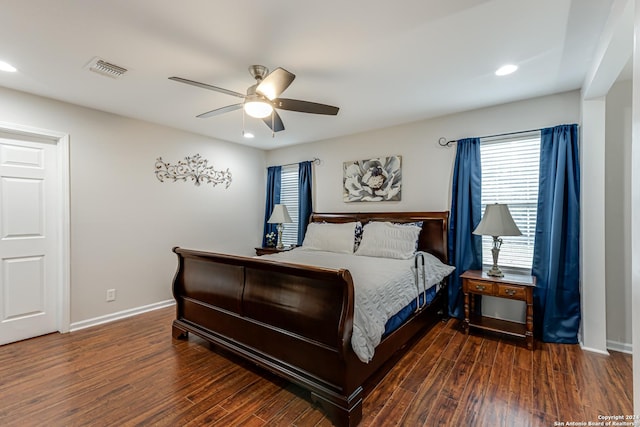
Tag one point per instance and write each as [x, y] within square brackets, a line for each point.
[480, 287]
[515, 292]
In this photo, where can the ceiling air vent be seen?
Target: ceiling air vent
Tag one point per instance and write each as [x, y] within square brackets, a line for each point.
[105, 68]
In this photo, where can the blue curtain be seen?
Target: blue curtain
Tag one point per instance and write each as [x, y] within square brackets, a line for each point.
[305, 206]
[465, 248]
[555, 256]
[273, 198]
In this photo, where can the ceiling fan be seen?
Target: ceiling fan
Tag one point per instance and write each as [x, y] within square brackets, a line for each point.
[262, 98]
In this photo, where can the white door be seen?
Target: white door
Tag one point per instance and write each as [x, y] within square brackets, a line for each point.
[29, 240]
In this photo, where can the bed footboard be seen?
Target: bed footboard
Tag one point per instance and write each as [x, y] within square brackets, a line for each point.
[293, 320]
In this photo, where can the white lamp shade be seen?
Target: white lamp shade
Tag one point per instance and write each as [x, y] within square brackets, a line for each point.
[280, 215]
[257, 108]
[497, 221]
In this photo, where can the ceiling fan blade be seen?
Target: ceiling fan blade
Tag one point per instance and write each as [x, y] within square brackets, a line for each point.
[277, 122]
[218, 111]
[305, 106]
[275, 83]
[206, 86]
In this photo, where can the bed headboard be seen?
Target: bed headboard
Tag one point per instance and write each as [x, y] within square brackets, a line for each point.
[433, 237]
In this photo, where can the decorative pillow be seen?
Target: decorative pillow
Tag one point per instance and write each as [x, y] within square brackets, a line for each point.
[330, 237]
[388, 240]
[358, 236]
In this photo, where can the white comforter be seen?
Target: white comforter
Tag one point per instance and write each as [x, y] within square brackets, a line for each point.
[382, 287]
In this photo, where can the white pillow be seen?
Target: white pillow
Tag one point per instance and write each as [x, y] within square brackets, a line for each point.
[388, 240]
[330, 237]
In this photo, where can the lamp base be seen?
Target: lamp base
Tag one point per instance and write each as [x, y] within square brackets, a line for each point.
[279, 245]
[495, 272]
[495, 251]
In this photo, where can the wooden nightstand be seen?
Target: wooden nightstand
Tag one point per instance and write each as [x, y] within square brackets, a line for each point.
[272, 250]
[512, 286]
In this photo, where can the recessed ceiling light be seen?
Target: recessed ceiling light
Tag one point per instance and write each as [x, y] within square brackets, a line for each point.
[506, 69]
[247, 134]
[5, 66]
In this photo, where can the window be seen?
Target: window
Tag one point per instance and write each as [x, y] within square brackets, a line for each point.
[510, 175]
[289, 197]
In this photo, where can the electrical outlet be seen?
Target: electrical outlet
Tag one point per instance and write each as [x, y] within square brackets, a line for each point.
[111, 295]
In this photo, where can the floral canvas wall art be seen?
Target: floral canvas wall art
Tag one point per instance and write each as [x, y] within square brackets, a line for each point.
[373, 180]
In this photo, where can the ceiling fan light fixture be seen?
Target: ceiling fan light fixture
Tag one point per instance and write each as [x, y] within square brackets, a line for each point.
[257, 108]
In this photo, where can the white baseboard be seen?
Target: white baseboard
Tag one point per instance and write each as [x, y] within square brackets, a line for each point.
[593, 350]
[119, 315]
[620, 346]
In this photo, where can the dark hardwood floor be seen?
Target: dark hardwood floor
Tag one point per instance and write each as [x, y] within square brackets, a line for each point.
[131, 372]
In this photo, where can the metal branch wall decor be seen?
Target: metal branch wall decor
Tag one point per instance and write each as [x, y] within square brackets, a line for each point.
[194, 168]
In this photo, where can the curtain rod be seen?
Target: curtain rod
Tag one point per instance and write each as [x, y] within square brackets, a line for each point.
[442, 141]
[315, 160]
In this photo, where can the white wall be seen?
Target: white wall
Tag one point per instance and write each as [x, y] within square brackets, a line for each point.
[124, 222]
[426, 166]
[593, 330]
[617, 216]
[612, 54]
[635, 205]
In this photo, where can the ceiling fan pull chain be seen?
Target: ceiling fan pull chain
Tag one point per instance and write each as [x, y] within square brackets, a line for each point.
[243, 128]
[273, 132]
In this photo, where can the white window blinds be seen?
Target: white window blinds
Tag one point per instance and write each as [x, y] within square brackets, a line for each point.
[510, 169]
[289, 197]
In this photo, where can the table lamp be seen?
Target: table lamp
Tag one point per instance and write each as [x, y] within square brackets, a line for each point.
[279, 216]
[496, 222]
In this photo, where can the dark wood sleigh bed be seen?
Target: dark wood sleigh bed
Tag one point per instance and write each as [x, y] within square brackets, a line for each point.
[296, 321]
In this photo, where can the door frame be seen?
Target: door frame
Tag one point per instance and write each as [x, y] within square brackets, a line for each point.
[61, 141]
